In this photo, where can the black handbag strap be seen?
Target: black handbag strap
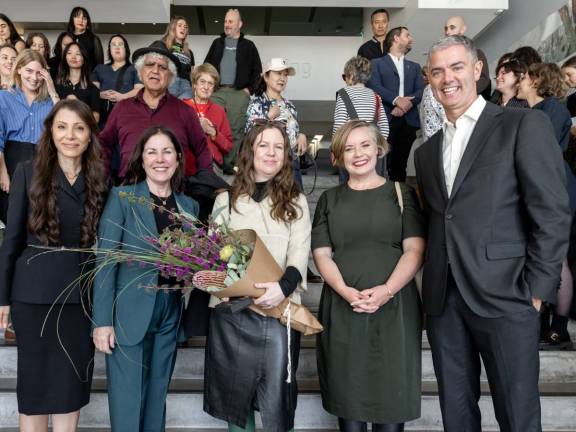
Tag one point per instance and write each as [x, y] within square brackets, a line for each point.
[352, 114]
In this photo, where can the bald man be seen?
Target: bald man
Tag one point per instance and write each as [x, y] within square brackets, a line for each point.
[237, 61]
[456, 26]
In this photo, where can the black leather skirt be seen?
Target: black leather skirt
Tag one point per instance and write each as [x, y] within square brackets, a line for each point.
[246, 369]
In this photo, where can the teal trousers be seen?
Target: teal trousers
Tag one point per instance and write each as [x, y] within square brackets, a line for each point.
[138, 376]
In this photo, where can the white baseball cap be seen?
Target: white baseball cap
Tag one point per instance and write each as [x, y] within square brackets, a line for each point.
[278, 64]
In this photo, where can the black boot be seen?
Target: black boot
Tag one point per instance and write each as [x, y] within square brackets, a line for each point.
[557, 337]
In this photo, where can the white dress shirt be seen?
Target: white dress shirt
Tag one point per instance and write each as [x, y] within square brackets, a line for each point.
[399, 63]
[456, 137]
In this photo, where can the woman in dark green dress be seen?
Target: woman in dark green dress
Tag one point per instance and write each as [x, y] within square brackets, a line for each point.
[368, 245]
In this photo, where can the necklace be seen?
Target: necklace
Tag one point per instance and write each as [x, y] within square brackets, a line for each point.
[164, 200]
[71, 177]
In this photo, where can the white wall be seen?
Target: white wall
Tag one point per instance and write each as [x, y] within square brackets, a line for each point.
[318, 61]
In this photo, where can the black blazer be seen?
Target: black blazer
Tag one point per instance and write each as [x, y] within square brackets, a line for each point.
[27, 273]
[504, 230]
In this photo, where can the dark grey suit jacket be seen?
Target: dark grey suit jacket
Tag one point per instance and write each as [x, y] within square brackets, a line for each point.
[504, 230]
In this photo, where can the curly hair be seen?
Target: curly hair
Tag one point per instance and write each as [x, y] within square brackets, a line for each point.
[547, 79]
[43, 220]
[281, 189]
[358, 70]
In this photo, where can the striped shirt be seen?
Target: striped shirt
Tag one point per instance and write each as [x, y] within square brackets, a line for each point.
[364, 101]
[20, 121]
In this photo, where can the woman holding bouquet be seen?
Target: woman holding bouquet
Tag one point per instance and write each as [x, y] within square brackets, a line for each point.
[137, 323]
[55, 201]
[368, 243]
[247, 354]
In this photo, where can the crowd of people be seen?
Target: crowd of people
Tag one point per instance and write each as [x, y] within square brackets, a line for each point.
[490, 224]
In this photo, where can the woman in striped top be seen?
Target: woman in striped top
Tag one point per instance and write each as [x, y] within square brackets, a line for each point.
[365, 103]
[23, 109]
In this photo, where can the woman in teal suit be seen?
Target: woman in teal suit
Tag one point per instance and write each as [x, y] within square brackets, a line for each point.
[138, 327]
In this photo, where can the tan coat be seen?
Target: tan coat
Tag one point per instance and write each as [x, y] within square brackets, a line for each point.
[289, 243]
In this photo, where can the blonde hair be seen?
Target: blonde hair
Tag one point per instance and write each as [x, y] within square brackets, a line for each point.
[341, 137]
[25, 57]
[205, 68]
[170, 34]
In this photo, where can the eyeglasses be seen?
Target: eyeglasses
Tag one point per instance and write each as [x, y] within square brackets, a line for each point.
[210, 84]
[266, 122]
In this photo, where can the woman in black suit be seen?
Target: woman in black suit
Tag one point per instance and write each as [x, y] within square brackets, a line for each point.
[55, 202]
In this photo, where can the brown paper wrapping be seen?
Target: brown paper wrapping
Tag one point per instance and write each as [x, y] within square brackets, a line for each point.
[263, 268]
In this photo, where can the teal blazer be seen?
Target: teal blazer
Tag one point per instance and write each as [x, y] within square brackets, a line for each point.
[120, 296]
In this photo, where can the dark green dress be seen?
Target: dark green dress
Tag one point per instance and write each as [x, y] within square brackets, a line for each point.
[369, 365]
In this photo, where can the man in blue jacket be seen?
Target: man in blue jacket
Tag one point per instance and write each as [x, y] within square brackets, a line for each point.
[399, 83]
[238, 63]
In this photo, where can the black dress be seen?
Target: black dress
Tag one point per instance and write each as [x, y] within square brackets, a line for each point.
[50, 311]
[89, 95]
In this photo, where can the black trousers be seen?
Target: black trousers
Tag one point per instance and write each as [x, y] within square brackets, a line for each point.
[15, 152]
[508, 347]
[401, 138]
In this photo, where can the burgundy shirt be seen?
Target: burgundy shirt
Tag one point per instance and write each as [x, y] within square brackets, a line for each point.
[132, 116]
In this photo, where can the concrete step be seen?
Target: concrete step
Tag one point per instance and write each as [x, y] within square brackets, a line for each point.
[407, 429]
[556, 367]
[310, 386]
[185, 411]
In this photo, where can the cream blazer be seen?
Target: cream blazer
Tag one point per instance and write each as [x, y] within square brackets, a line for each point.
[289, 243]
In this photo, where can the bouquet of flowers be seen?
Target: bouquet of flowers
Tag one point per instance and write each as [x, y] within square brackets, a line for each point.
[216, 259]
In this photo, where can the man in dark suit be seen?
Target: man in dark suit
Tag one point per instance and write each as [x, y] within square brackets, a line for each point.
[493, 186]
[399, 83]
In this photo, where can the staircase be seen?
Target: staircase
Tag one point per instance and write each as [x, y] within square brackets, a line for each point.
[184, 405]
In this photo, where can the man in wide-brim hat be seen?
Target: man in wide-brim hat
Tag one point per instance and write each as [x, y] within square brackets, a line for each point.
[154, 105]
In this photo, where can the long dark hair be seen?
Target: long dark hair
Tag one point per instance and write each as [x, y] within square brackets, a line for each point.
[14, 36]
[64, 69]
[126, 48]
[58, 44]
[75, 12]
[135, 172]
[281, 189]
[43, 220]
